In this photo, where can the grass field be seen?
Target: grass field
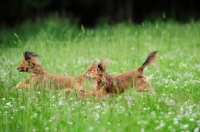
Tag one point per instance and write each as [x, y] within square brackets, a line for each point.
[66, 49]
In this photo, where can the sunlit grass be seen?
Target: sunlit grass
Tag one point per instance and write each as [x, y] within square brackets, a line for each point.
[66, 49]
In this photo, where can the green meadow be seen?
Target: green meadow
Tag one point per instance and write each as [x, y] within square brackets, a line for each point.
[66, 49]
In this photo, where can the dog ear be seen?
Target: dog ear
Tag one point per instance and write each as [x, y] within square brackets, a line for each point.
[102, 65]
[94, 64]
[28, 55]
[32, 57]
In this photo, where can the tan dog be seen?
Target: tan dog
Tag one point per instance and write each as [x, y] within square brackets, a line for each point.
[108, 85]
[80, 88]
[39, 77]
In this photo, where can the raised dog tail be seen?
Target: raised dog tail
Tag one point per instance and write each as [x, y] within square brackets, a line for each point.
[150, 60]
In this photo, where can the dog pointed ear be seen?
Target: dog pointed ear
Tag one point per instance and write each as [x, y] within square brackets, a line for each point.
[94, 64]
[102, 65]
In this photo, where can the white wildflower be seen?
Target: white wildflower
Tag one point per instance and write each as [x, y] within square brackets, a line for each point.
[22, 107]
[46, 128]
[97, 116]
[60, 103]
[196, 129]
[191, 119]
[98, 107]
[8, 104]
[91, 128]
[184, 126]
[35, 115]
[170, 102]
[175, 121]
[70, 123]
[162, 124]
[142, 130]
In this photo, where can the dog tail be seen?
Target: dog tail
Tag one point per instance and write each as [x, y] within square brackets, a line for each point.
[150, 60]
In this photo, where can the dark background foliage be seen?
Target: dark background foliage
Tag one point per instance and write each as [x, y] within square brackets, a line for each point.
[89, 12]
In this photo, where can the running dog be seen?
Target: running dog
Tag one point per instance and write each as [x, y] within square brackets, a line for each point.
[39, 77]
[109, 85]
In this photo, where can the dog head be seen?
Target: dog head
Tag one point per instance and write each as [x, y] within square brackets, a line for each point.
[91, 69]
[97, 70]
[25, 66]
[30, 58]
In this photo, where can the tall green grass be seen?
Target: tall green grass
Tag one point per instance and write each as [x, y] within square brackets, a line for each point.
[67, 49]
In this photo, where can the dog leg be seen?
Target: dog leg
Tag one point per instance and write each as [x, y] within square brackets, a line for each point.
[23, 84]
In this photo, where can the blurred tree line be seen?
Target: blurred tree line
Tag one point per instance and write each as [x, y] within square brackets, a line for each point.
[89, 12]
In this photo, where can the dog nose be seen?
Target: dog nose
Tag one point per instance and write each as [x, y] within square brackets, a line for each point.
[18, 69]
